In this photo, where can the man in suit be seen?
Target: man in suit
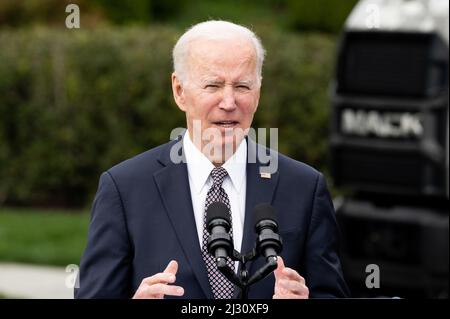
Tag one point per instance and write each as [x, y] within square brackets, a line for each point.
[146, 237]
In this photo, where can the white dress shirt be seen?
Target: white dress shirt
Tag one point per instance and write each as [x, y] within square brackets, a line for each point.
[199, 170]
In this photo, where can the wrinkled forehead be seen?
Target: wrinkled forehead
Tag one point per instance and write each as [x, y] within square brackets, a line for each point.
[222, 55]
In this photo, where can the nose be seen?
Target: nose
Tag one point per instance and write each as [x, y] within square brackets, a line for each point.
[228, 102]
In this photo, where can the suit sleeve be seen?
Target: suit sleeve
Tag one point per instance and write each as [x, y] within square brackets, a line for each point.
[105, 266]
[323, 274]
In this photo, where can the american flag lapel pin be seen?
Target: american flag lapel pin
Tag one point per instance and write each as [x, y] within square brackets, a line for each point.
[265, 175]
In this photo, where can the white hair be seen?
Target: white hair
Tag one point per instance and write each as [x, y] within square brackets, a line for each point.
[214, 30]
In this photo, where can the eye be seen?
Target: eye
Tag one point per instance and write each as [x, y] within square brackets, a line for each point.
[211, 87]
[243, 87]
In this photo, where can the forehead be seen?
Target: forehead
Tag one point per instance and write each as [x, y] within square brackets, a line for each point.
[222, 57]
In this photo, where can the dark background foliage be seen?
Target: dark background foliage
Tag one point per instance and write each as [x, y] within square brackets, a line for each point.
[75, 102]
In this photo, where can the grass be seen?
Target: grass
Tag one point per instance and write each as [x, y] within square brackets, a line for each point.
[49, 237]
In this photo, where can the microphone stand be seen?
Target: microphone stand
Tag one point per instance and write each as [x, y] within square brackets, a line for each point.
[243, 280]
[268, 245]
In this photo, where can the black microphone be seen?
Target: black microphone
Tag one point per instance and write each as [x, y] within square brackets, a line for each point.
[218, 223]
[268, 242]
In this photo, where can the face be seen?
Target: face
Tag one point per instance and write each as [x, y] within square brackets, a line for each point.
[220, 93]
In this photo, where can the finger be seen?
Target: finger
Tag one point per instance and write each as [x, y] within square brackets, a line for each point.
[172, 267]
[163, 289]
[144, 293]
[289, 296]
[294, 287]
[161, 277]
[292, 274]
[279, 290]
[280, 262]
[279, 270]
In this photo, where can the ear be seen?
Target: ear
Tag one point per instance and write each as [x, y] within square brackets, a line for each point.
[178, 92]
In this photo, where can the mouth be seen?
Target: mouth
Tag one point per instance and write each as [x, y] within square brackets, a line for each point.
[226, 124]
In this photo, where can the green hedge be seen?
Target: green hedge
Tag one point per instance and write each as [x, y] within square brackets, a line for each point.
[299, 15]
[318, 15]
[73, 103]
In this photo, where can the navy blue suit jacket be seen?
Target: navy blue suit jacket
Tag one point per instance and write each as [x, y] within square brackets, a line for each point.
[142, 218]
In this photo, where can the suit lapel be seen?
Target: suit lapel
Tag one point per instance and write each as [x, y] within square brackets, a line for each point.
[259, 190]
[173, 186]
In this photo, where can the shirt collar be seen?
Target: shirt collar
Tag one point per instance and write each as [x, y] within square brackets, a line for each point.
[236, 166]
[199, 166]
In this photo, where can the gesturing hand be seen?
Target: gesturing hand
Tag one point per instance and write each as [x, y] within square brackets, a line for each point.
[156, 286]
[288, 283]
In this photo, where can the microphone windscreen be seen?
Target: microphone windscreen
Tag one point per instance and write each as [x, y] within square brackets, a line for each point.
[217, 210]
[263, 211]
